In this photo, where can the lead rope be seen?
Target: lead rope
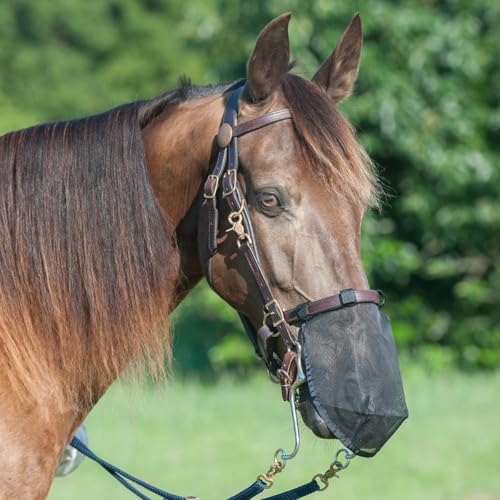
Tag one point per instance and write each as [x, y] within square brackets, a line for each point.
[264, 480]
[313, 486]
[254, 489]
[124, 477]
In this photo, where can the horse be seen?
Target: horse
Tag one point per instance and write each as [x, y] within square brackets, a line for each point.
[100, 236]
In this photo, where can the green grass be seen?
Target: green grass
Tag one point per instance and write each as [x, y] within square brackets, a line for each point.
[213, 441]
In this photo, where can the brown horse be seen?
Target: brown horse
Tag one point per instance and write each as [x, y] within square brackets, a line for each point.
[98, 229]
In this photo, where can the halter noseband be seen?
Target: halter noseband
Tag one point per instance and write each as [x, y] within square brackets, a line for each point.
[223, 181]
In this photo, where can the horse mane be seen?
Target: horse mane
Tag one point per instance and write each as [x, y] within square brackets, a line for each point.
[328, 143]
[88, 262]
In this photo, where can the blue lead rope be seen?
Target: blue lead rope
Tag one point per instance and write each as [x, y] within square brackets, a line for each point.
[123, 476]
[254, 489]
[299, 492]
[126, 479]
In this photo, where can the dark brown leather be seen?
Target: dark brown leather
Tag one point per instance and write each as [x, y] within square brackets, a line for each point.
[271, 306]
[261, 121]
[224, 174]
[265, 340]
[210, 190]
[225, 135]
[345, 298]
[287, 373]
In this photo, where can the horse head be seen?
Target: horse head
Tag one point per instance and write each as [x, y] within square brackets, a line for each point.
[278, 214]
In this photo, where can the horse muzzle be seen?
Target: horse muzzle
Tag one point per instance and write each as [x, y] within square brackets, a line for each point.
[354, 389]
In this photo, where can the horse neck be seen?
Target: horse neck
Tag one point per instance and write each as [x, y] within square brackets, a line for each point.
[178, 147]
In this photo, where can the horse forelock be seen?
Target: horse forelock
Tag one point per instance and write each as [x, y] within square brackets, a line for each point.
[87, 263]
[328, 144]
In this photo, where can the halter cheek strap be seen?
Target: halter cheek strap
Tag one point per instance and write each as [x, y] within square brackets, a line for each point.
[222, 186]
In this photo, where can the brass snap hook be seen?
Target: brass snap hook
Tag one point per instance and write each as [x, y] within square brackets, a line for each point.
[235, 219]
[335, 467]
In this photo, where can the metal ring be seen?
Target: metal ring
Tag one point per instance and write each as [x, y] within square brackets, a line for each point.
[382, 296]
[234, 218]
[348, 455]
[285, 376]
[281, 460]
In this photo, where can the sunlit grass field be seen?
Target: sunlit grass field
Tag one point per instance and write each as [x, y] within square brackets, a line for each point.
[211, 441]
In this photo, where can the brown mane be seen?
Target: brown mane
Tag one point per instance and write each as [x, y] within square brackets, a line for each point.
[328, 143]
[87, 263]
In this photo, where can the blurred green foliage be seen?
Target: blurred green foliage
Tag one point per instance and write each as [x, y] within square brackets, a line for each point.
[426, 108]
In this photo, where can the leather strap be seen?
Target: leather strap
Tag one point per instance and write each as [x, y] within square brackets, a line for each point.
[288, 373]
[261, 121]
[272, 311]
[224, 178]
[266, 342]
[345, 298]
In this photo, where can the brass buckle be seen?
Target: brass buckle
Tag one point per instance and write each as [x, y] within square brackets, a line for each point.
[210, 193]
[269, 314]
[232, 180]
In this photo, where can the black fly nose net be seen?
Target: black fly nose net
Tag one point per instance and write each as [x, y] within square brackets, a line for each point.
[353, 375]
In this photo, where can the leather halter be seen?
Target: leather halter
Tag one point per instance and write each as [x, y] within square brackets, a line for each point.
[222, 185]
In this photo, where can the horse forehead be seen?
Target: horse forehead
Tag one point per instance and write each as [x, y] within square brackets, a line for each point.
[272, 149]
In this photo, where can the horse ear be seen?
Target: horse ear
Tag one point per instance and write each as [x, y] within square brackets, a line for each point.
[338, 73]
[269, 61]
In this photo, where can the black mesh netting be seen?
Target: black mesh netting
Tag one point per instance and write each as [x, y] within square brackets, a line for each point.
[353, 376]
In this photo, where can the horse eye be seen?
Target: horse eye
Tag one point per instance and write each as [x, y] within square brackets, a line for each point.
[270, 202]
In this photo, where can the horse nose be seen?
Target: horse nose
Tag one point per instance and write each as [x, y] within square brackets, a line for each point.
[353, 374]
